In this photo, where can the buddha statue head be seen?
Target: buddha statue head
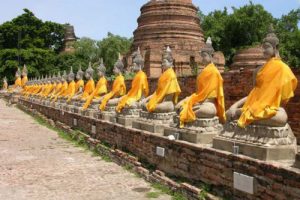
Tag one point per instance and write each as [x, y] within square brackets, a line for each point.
[64, 77]
[167, 59]
[270, 44]
[207, 52]
[89, 72]
[53, 80]
[80, 73]
[138, 61]
[58, 80]
[18, 73]
[101, 69]
[24, 71]
[71, 75]
[119, 66]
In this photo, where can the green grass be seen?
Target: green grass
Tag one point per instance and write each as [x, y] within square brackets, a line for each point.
[153, 195]
[166, 190]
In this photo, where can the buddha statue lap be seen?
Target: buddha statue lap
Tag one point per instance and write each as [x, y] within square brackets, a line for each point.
[257, 124]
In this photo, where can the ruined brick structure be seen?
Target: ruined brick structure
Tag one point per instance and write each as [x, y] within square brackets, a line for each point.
[69, 39]
[249, 58]
[173, 23]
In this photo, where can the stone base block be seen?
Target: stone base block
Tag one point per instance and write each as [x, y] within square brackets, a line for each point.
[125, 121]
[108, 116]
[271, 153]
[148, 126]
[259, 142]
[193, 136]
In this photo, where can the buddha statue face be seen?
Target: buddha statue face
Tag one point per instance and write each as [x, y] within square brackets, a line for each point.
[167, 61]
[87, 75]
[117, 71]
[268, 50]
[78, 76]
[100, 73]
[206, 58]
[71, 77]
[119, 66]
[138, 61]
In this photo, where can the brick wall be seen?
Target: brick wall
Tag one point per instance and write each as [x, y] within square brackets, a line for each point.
[214, 167]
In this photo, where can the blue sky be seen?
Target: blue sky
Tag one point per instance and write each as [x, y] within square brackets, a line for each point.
[94, 18]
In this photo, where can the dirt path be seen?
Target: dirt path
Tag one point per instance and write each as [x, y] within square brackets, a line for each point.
[36, 164]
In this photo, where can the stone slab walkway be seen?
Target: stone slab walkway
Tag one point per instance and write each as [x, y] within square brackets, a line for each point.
[36, 164]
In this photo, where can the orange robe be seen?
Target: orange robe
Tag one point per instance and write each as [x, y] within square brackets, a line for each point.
[118, 89]
[209, 85]
[88, 89]
[167, 84]
[101, 89]
[139, 86]
[275, 84]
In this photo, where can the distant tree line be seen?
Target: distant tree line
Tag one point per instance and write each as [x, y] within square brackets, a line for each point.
[28, 40]
[247, 26]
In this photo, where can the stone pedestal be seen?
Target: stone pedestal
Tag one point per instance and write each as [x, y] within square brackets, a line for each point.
[153, 122]
[259, 142]
[127, 116]
[201, 131]
[109, 114]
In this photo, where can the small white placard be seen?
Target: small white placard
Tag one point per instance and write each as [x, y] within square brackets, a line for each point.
[62, 112]
[75, 122]
[243, 183]
[160, 151]
[93, 129]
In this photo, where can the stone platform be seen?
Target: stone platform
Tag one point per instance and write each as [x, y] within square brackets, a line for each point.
[153, 122]
[259, 142]
[127, 116]
[201, 131]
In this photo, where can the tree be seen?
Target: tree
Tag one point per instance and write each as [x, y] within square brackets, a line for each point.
[109, 48]
[35, 42]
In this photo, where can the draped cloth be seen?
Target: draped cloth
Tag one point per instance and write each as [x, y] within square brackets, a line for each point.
[101, 88]
[275, 84]
[88, 89]
[118, 89]
[71, 90]
[167, 84]
[209, 85]
[24, 81]
[139, 87]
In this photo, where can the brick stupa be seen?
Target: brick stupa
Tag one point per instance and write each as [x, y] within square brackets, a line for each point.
[248, 59]
[69, 39]
[173, 23]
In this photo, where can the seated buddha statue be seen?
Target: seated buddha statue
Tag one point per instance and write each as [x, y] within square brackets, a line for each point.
[24, 76]
[166, 95]
[79, 86]
[64, 87]
[90, 85]
[118, 90]
[258, 124]
[274, 84]
[71, 87]
[101, 87]
[5, 84]
[58, 87]
[208, 101]
[139, 85]
[51, 86]
[17, 87]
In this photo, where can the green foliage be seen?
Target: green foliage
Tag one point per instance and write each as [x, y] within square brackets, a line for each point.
[152, 195]
[32, 32]
[247, 26]
[109, 48]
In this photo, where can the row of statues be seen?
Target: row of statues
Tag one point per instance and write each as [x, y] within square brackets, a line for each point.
[273, 85]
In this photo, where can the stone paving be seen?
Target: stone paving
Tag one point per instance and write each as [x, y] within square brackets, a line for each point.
[36, 164]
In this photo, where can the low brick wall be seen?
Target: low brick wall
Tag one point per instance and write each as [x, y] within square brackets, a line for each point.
[237, 85]
[182, 159]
